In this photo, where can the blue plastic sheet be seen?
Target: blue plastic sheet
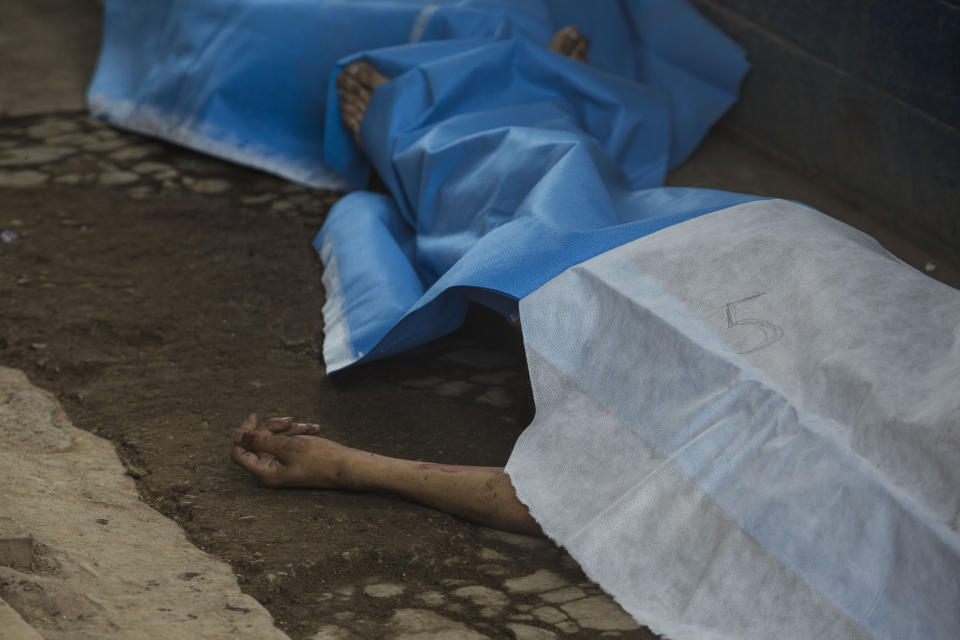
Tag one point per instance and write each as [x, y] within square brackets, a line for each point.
[506, 162]
[501, 177]
[246, 80]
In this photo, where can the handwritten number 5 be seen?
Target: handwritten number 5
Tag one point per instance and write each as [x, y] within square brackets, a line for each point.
[771, 332]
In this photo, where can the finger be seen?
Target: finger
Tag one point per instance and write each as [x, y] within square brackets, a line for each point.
[244, 458]
[275, 425]
[250, 423]
[238, 441]
[266, 460]
[264, 442]
[257, 464]
[303, 429]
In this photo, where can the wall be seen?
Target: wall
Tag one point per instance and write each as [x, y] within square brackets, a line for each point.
[867, 92]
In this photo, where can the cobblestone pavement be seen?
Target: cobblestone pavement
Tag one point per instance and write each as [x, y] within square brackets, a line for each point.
[78, 151]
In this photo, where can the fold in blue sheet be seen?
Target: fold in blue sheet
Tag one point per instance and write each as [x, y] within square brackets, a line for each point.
[506, 163]
[247, 80]
[501, 177]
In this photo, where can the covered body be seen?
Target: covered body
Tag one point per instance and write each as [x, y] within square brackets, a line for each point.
[747, 413]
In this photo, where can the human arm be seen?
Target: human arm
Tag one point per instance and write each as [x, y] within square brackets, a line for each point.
[282, 453]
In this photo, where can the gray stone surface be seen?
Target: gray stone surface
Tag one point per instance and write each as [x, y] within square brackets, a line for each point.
[417, 624]
[542, 580]
[526, 632]
[32, 155]
[108, 565]
[565, 594]
[386, 590]
[24, 178]
[599, 612]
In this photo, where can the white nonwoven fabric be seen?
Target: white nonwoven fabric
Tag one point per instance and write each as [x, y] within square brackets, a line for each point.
[748, 426]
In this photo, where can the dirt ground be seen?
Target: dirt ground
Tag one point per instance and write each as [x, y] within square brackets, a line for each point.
[163, 296]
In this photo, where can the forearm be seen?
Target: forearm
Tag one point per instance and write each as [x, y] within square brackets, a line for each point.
[283, 453]
[481, 494]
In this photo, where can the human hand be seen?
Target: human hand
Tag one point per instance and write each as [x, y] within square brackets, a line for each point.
[284, 453]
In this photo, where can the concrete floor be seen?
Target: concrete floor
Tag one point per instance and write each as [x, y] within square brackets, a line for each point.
[50, 47]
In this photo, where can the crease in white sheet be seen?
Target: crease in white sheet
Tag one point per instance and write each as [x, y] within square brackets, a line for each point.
[774, 377]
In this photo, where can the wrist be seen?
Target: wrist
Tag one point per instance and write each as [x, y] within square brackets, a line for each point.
[361, 470]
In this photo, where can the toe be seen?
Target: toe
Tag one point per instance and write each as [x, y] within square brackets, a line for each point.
[367, 75]
[570, 42]
[573, 35]
[564, 39]
[353, 69]
[355, 85]
[348, 83]
[579, 51]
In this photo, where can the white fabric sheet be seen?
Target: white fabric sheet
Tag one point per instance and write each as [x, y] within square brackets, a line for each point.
[748, 426]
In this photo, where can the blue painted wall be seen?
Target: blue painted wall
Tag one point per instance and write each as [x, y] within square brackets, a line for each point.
[865, 91]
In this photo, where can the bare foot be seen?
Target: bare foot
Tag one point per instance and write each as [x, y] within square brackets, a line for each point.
[570, 42]
[284, 453]
[355, 85]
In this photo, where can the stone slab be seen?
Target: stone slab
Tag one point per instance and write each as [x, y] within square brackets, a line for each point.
[107, 565]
